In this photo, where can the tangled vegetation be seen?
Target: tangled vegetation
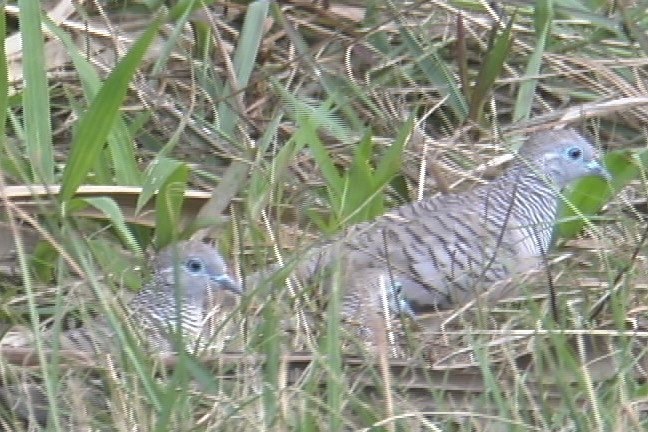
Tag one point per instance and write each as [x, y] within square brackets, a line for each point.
[269, 126]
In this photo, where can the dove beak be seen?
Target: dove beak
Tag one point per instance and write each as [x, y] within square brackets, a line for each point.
[228, 283]
[596, 168]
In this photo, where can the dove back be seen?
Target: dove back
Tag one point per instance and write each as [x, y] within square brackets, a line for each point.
[443, 251]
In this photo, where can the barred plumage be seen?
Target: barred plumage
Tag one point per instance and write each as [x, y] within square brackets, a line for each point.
[444, 251]
[183, 276]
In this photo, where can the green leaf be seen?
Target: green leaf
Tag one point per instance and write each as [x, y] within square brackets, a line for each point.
[156, 176]
[167, 180]
[171, 42]
[120, 141]
[244, 62]
[391, 162]
[590, 194]
[321, 113]
[490, 70]
[181, 7]
[359, 199]
[437, 72]
[4, 85]
[259, 188]
[270, 345]
[102, 113]
[307, 135]
[367, 184]
[168, 206]
[461, 54]
[543, 22]
[109, 207]
[36, 99]
[42, 261]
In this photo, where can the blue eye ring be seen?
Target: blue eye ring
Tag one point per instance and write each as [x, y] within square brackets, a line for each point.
[574, 153]
[194, 265]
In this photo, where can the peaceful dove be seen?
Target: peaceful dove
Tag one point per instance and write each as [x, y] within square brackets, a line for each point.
[444, 251]
[184, 275]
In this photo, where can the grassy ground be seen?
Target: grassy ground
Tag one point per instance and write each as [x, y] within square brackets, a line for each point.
[294, 120]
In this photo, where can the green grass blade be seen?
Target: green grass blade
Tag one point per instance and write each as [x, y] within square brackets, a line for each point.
[590, 194]
[182, 7]
[168, 179]
[172, 41]
[437, 73]
[391, 162]
[307, 135]
[168, 206]
[270, 347]
[321, 113]
[243, 62]
[363, 184]
[4, 85]
[39, 342]
[157, 174]
[109, 207]
[461, 54]
[373, 19]
[250, 40]
[102, 113]
[36, 100]
[366, 202]
[120, 141]
[543, 23]
[490, 70]
[333, 352]
[360, 200]
[259, 187]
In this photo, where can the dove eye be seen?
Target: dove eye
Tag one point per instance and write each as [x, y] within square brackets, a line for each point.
[574, 153]
[194, 265]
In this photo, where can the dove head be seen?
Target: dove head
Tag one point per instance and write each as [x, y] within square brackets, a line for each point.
[562, 156]
[196, 266]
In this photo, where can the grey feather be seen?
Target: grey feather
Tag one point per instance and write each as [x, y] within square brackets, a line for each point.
[184, 275]
[444, 251]
[174, 298]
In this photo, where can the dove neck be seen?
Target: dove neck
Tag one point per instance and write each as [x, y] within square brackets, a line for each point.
[189, 301]
[189, 309]
[527, 183]
[532, 199]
